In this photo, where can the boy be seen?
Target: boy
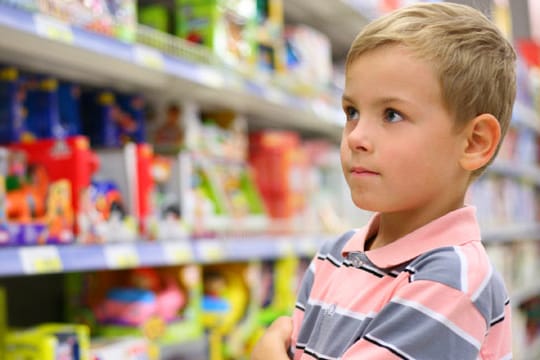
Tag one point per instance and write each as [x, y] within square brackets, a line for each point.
[428, 97]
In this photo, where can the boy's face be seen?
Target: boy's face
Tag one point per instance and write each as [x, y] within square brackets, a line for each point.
[399, 150]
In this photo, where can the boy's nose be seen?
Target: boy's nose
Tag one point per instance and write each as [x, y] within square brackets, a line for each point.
[360, 137]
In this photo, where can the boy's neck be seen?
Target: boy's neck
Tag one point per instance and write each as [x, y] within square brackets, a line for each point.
[393, 226]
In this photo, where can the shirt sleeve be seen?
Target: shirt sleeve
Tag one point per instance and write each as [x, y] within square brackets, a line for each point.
[301, 302]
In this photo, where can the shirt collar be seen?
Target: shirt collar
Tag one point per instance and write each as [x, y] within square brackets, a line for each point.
[455, 228]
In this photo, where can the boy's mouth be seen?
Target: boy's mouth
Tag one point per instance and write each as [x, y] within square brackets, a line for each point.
[358, 170]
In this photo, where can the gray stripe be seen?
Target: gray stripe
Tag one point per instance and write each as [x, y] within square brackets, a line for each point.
[442, 265]
[441, 343]
[330, 331]
[305, 286]
[490, 302]
[333, 248]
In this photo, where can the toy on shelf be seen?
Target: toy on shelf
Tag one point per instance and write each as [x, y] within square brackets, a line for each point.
[280, 167]
[269, 37]
[149, 297]
[35, 209]
[309, 59]
[159, 15]
[161, 305]
[163, 217]
[225, 26]
[112, 120]
[49, 342]
[125, 348]
[225, 304]
[113, 191]
[70, 159]
[12, 109]
[169, 136]
[43, 108]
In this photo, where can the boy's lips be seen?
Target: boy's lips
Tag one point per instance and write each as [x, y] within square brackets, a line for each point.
[358, 170]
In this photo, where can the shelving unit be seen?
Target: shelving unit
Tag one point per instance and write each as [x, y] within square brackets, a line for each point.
[48, 45]
[33, 260]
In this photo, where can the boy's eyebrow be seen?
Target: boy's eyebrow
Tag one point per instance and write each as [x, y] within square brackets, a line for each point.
[382, 101]
[344, 97]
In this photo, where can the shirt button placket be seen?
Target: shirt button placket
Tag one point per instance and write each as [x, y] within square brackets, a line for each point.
[356, 260]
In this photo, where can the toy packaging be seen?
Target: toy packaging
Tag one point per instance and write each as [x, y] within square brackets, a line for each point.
[49, 342]
[160, 196]
[112, 120]
[12, 109]
[309, 58]
[269, 37]
[280, 168]
[68, 159]
[35, 208]
[225, 26]
[124, 348]
[113, 193]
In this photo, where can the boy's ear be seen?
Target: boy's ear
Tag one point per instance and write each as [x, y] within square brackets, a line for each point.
[482, 135]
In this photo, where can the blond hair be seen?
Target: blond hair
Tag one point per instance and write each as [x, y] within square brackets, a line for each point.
[474, 62]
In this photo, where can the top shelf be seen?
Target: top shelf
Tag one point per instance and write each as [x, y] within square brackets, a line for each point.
[44, 44]
[340, 20]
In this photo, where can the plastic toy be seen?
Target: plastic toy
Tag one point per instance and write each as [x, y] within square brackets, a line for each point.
[225, 303]
[89, 291]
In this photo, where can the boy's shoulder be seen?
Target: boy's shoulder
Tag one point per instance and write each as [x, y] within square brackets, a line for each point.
[333, 247]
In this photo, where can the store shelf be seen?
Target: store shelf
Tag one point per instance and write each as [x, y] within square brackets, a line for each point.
[526, 116]
[45, 44]
[525, 172]
[510, 233]
[34, 260]
[339, 20]
[521, 295]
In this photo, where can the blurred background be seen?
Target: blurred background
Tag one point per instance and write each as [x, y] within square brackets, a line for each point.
[169, 167]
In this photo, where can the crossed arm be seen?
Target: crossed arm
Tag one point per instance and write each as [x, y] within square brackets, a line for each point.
[275, 342]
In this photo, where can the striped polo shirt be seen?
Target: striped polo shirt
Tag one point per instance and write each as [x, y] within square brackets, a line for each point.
[432, 294]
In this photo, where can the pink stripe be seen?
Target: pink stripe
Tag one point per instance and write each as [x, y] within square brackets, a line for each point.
[498, 342]
[453, 305]
[362, 295]
[478, 265]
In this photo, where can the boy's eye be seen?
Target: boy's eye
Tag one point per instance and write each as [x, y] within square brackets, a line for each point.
[351, 113]
[392, 116]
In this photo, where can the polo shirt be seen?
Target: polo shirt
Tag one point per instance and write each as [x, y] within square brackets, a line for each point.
[432, 294]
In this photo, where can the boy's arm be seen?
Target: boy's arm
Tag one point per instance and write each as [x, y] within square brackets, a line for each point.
[275, 343]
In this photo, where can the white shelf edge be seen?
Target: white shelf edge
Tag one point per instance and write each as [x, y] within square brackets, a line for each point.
[510, 233]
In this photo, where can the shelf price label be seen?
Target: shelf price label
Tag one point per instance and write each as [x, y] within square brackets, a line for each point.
[146, 56]
[211, 251]
[53, 29]
[40, 260]
[210, 77]
[178, 252]
[121, 256]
